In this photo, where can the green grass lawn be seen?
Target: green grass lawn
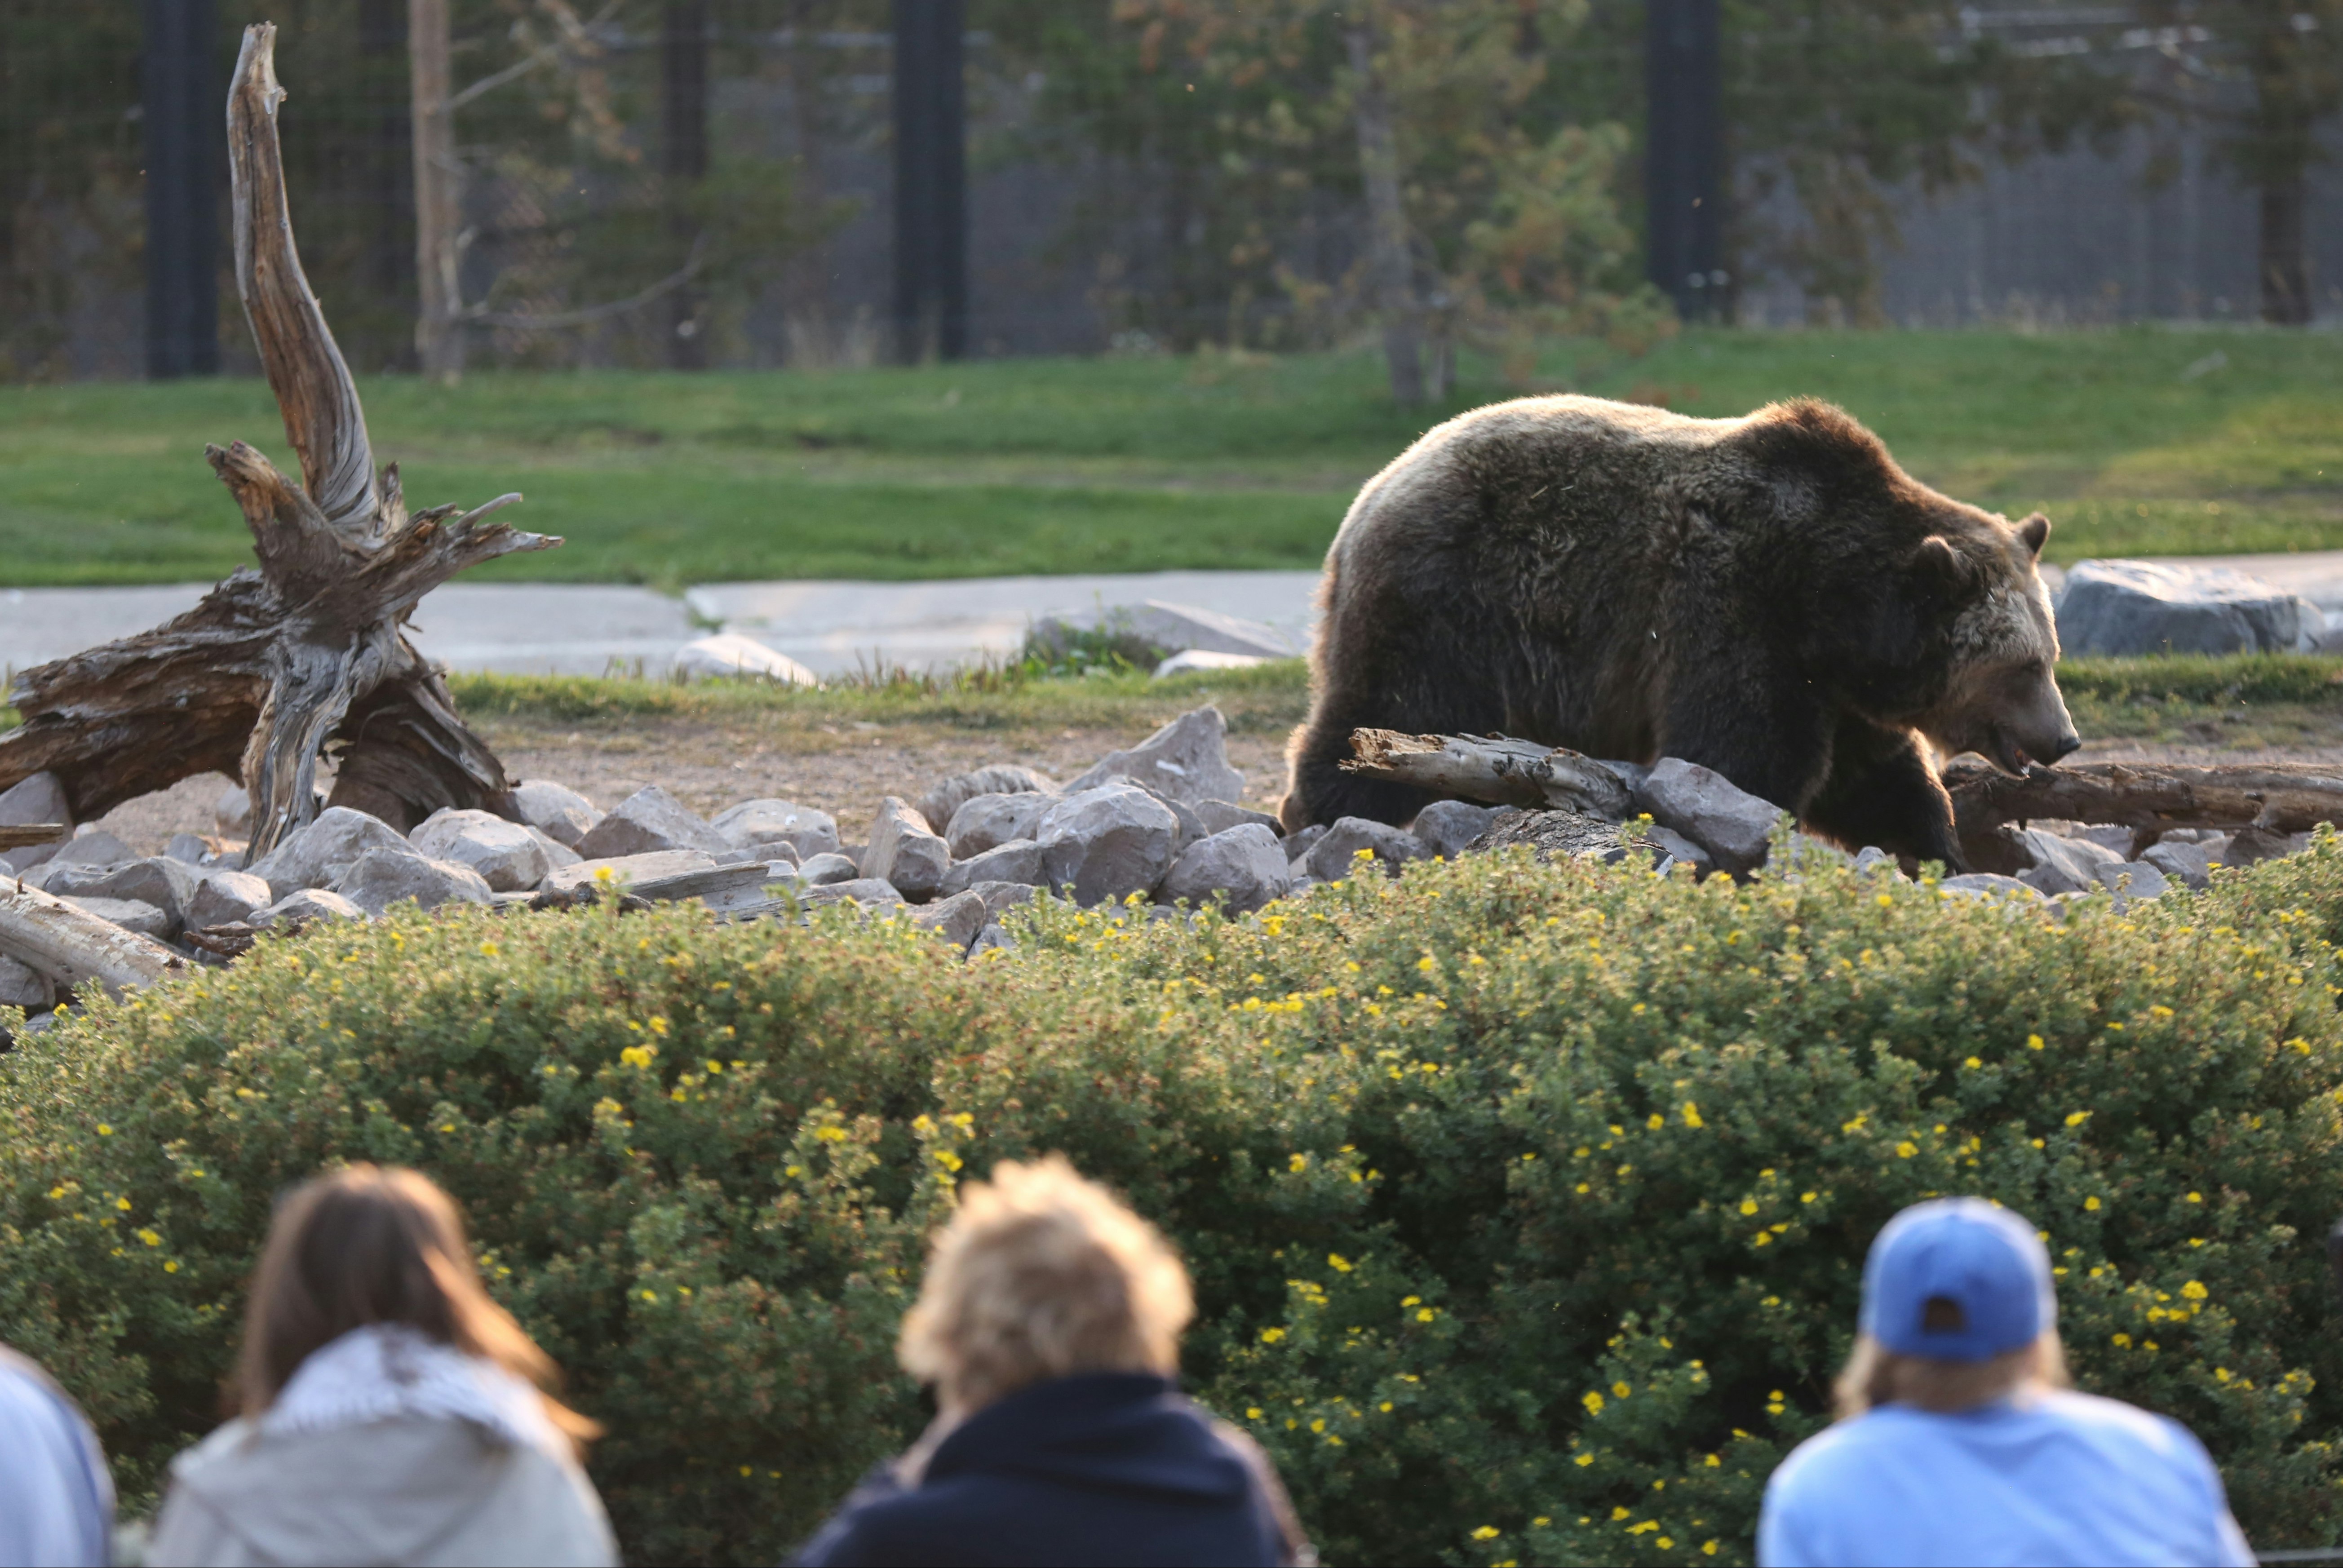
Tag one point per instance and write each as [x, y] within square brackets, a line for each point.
[1127, 465]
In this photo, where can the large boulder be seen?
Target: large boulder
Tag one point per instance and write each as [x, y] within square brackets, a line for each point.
[25, 987]
[904, 851]
[871, 892]
[2057, 864]
[166, 884]
[956, 920]
[2164, 607]
[940, 804]
[1187, 759]
[2191, 863]
[1447, 826]
[92, 847]
[301, 908]
[625, 870]
[1710, 809]
[226, 897]
[317, 855]
[557, 811]
[507, 855]
[1018, 860]
[759, 826]
[1220, 816]
[130, 914]
[646, 821]
[1163, 626]
[1338, 852]
[1245, 866]
[823, 870]
[1107, 842]
[39, 799]
[981, 822]
[381, 878]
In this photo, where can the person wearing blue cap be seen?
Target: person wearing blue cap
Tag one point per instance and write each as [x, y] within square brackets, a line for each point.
[1959, 1442]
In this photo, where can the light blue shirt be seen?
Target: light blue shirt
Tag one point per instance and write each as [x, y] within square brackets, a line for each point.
[2059, 1478]
[56, 1501]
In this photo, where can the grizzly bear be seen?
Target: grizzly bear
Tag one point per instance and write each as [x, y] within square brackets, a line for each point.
[1769, 596]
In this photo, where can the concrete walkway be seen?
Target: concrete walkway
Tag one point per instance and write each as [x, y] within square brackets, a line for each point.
[831, 627]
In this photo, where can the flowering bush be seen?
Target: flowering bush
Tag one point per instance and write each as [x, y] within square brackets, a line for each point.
[1526, 1205]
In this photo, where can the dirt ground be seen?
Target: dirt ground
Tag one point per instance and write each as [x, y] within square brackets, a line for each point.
[846, 769]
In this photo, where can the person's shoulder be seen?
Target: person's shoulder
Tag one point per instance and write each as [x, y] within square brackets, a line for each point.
[1844, 1449]
[2114, 1422]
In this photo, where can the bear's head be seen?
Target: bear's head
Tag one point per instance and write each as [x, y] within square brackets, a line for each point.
[1999, 696]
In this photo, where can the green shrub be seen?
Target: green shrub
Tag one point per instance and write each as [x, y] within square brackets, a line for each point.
[1526, 1205]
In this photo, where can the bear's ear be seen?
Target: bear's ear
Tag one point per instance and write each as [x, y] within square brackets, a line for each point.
[2033, 530]
[1938, 565]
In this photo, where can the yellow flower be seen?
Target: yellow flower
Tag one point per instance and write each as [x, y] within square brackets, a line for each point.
[1617, 1514]
[1665, 1543]
[2034, 1042]
[1426, 964]
[1298, 1164]
[1409, 1301]
[1318, 1426]
[103, 1131]
[150, 1238]
[2075, 1119]
[2193, 1291]
[637, 1055]
[1385, 1407]
[1486, 1532]
[171, 1268]
[1749, 1205]
[2091, 1203]
[2119, 1341]
[1271, 1336]
[650, 1295]
[830, 1134]
[1656, 1121]
[1585, 1458]
[1592, 1401]
[2195, 1197]
[1708, 1548]
[1253, 1413]
[1425, 1314]
[1691, 1115]
[1972, 1062]
[1905, 1150]
[1339, 1263]
[123, 1205]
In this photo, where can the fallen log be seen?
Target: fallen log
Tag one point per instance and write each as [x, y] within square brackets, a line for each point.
[1492, 769]
[307, 654]
[24, 835]
[51, 937]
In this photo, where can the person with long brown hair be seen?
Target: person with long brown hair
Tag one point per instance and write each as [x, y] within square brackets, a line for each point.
[389, 1410]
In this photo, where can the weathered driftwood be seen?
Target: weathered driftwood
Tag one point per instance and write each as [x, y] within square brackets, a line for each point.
[1492, 769]
[21, 835]
[306, 653]
[72, 948]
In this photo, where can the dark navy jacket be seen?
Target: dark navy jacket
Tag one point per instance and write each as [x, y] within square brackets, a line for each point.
[1101, 1468]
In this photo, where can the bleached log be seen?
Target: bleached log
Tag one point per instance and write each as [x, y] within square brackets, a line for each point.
[73, 948]
[1491, 768]
[2285, 798]
[23, 835]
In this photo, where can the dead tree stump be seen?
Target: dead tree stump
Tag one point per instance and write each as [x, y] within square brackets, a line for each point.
[305, 655]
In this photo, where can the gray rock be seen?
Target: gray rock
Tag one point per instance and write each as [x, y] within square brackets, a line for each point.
[1107, 842]
[1167, 628]
[317, 855]
[1630, 775]
[627, 870]
[301, 908]
[904, 851]
[942, 803]
[828, 870]
[2251, 846]
[956, 920]
[1244, 866]
[381, 878]
[1710, 809]
[1299, 843]
[730, 655]
[982, 822]
[1871, 856]
[2163, 607]
[223, 897]
[1187, 757]
[1447, 826]
[232, 813]
[866, 891]
[92, 847]
[557, 811]
[507, 855]
[1220, 816]
[1000, 898]
[128, 913]
[170, 885]
[38, 798]
[2062, 865]
[1679, 850]
[1018, 861]
[1986, 885]
[648, 821]
[188, 849]
[727, 889]
[992, 938]
[763, 825]
[2129, 880]
[556, 853]
[1190, 660]
[2107, 836]
[1335, 855]
[24, 988]
[2191, 863]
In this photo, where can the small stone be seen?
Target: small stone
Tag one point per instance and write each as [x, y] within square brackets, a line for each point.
[505, 854]
[985, 823]
[2061, 864]
[2129, 880]
[1220, 816]
[1680, 849]
[2117, 840]
[557, 811]
[1188, 758]
[729, 654]
[92, 847]
[1244, 866]
[187, 849]
[556, 853]
[904, 851]
[1018, 861]
[1447, 826]
[957, 919]
[943, 802]
[865, 891]
[128, 913]
[1189, 660]
[1299, 843]
[647, 821]
[761, 825]
[828, 870]
[1733, 825]
[317, 855]
[232, 813]
[627, 870]
[1986, 885]
[721, 887]
[992, 938]
[2251, 846]
[381, 878]
[1107, 842]
[308, 904]
[24, 988]
[1000, 898]
[2189, 862]
[1335, 855]
[223, 897]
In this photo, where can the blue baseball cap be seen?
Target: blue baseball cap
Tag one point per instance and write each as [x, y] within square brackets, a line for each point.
[1988, 1265]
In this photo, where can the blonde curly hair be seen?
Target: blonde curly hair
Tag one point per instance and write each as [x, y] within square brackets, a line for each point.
[1040, 1275]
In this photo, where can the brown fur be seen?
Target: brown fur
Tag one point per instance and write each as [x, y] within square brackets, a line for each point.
[1769, 596]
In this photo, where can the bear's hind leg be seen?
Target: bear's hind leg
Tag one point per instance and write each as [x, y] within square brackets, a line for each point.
[1882, 791]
